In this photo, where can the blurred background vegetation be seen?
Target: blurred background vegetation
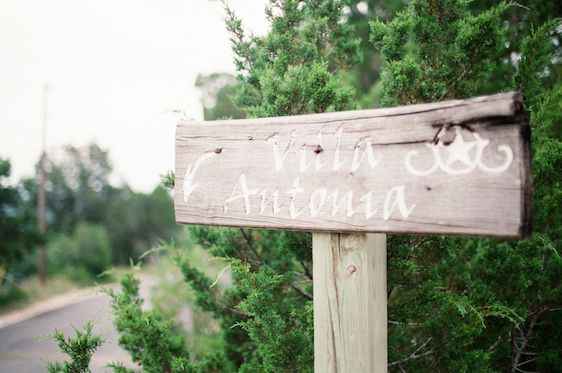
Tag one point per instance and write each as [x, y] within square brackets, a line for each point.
[92, 225]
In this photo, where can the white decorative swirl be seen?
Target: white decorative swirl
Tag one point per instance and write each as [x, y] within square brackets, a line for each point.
[416, 172]
[502, 148]
[458, 151]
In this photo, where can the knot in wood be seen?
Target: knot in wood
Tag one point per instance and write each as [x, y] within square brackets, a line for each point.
[318, 149]
[351, 269]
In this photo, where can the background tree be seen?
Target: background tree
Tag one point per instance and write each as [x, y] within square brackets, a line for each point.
[79, 190]
[83, 206]
[217, 91]
[364, 75]
[83, 255]
[137, 222]
[17, 227]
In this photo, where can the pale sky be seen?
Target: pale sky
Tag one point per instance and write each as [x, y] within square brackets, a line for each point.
[117, 70]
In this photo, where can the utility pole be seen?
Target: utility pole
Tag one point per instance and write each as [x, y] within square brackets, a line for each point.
[41, 201]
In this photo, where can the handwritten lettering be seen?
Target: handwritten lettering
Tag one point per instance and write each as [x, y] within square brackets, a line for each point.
[346, 199]
[279, 157]
[293, 191]
[337, 162]
[367, 151]
[265, 200]
[395, 197]
[369, 210]
[456, 158]
[244, 194]
[315, 206]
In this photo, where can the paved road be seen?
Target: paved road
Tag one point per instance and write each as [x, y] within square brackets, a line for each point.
[24, 347]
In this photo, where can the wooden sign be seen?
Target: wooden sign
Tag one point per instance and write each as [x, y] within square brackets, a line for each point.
[455, 167]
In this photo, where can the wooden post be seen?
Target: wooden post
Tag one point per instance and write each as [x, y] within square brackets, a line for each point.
[350, 302]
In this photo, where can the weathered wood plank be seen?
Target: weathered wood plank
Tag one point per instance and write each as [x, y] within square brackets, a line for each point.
[350, 297]
[456, 167]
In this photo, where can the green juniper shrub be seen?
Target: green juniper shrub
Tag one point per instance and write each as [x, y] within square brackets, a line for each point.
[485, 297]
[79, 349]
[151, 341]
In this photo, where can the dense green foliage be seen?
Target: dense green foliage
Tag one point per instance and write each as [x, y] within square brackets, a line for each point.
[151, 341]
[485, 296]
[293, 69]
[455, 304]
[425, 64]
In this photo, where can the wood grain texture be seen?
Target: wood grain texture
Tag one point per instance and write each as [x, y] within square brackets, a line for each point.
[350, 302]
[456, 167]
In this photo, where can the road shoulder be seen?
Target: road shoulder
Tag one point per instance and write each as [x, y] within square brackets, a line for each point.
[50, 304]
